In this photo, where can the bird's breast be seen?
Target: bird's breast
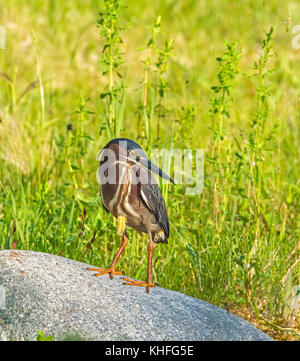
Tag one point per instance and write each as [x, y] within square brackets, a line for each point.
[119, 198]
[124, 198]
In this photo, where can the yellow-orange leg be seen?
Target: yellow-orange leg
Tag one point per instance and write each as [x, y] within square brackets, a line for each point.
[111, 269]
[148, 283]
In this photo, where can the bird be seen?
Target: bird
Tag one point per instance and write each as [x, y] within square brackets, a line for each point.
[129, 191]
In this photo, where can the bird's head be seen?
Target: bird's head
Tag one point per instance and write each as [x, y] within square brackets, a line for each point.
[127, 150]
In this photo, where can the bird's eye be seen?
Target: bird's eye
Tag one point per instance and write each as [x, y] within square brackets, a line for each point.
[131, 152]
[105, 158]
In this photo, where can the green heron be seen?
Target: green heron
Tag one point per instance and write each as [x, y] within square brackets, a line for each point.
[130, 192]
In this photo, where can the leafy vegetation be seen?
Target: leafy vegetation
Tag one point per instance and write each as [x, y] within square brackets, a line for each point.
[41, 337]
[219, 76]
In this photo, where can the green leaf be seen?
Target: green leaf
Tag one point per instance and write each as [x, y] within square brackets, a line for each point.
[41, 337]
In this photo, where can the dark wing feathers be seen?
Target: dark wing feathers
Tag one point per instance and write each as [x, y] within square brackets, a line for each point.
[154, 200]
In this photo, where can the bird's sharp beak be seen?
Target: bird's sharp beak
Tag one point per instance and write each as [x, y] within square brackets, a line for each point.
[153, 168]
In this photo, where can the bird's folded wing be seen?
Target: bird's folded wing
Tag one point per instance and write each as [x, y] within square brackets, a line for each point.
[154, 200]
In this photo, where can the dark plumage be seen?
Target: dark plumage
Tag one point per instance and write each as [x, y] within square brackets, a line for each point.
[130, 192]
[156, 204]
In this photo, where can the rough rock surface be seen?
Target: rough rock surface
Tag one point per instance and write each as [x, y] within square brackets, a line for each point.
[60, 297]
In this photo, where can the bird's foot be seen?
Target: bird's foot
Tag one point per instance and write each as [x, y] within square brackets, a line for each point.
[102, 271]
[129, 282]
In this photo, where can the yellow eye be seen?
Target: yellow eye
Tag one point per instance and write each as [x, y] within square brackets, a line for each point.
[131, 152]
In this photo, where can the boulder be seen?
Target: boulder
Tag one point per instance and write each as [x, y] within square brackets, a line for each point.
[60, 297]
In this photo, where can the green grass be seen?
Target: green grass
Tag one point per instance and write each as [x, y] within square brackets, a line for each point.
[237, 244]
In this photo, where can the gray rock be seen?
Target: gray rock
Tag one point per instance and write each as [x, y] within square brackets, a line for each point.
[60, 297]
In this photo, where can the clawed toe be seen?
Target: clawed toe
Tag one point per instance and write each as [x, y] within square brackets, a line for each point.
[129, 282]
[102, 271]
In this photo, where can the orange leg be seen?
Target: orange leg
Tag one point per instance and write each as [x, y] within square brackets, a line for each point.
[111, 269]
[148, 283]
